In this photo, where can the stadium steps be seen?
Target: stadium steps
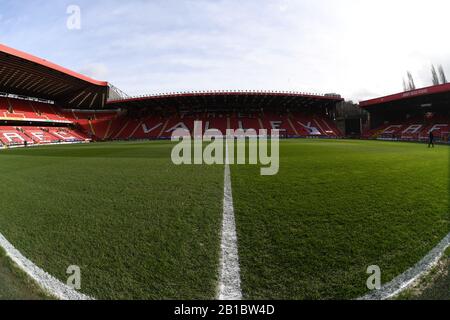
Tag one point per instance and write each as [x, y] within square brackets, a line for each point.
[261, 125]
[135, 129]
[292, 125]
[163, 128]
[59, 115]
[11, 110]
[92, 128]
[108, 129]
[320, 127]
[122, 129]
[327, 125]
[10, 107]
[26, 134]
[34, 109]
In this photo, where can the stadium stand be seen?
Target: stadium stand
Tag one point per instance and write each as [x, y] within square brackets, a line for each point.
[20, 109]
[32, 93]
[116, 125]
[29, 76]
[155, 127]
[25, 121]
[410, 116]
[156, 117]
[41, 103]
[18, 135]
[412, 130]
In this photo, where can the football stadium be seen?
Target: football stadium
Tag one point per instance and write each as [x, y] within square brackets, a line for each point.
[88, 181]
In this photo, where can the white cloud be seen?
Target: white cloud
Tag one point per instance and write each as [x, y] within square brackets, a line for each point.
[95, 70]
[357, 48]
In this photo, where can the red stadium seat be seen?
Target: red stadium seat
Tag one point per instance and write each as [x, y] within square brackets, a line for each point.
[413, 129]
[40, 123]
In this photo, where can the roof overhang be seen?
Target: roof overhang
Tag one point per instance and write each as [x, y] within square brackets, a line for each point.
[24, 74]
[243, 99]
[422, 95]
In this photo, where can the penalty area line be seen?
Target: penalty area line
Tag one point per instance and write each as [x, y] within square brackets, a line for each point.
[46, 281]
[230, 278]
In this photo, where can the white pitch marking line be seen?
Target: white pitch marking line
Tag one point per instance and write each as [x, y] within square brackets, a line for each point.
[410, 276]
[230, 278]
[46, 281]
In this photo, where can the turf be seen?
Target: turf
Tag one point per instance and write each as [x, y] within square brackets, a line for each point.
[137, 225]
[335, 208]
[142, 228]
[435, 285]
[15, 285]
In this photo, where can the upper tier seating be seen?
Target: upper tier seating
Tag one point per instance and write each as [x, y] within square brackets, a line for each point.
[27, 116]
[29, 110]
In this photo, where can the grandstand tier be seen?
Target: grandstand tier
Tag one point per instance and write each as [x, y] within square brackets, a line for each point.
[31, 111]
[29, 135]
[410, 116]
[156, 117]
[157, 127]
[41, 102]
[36, 122]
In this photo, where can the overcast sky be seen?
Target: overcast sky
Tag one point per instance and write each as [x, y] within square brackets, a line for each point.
[360, 49]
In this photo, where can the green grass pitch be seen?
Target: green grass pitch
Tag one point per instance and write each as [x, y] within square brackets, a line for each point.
[142, 228]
